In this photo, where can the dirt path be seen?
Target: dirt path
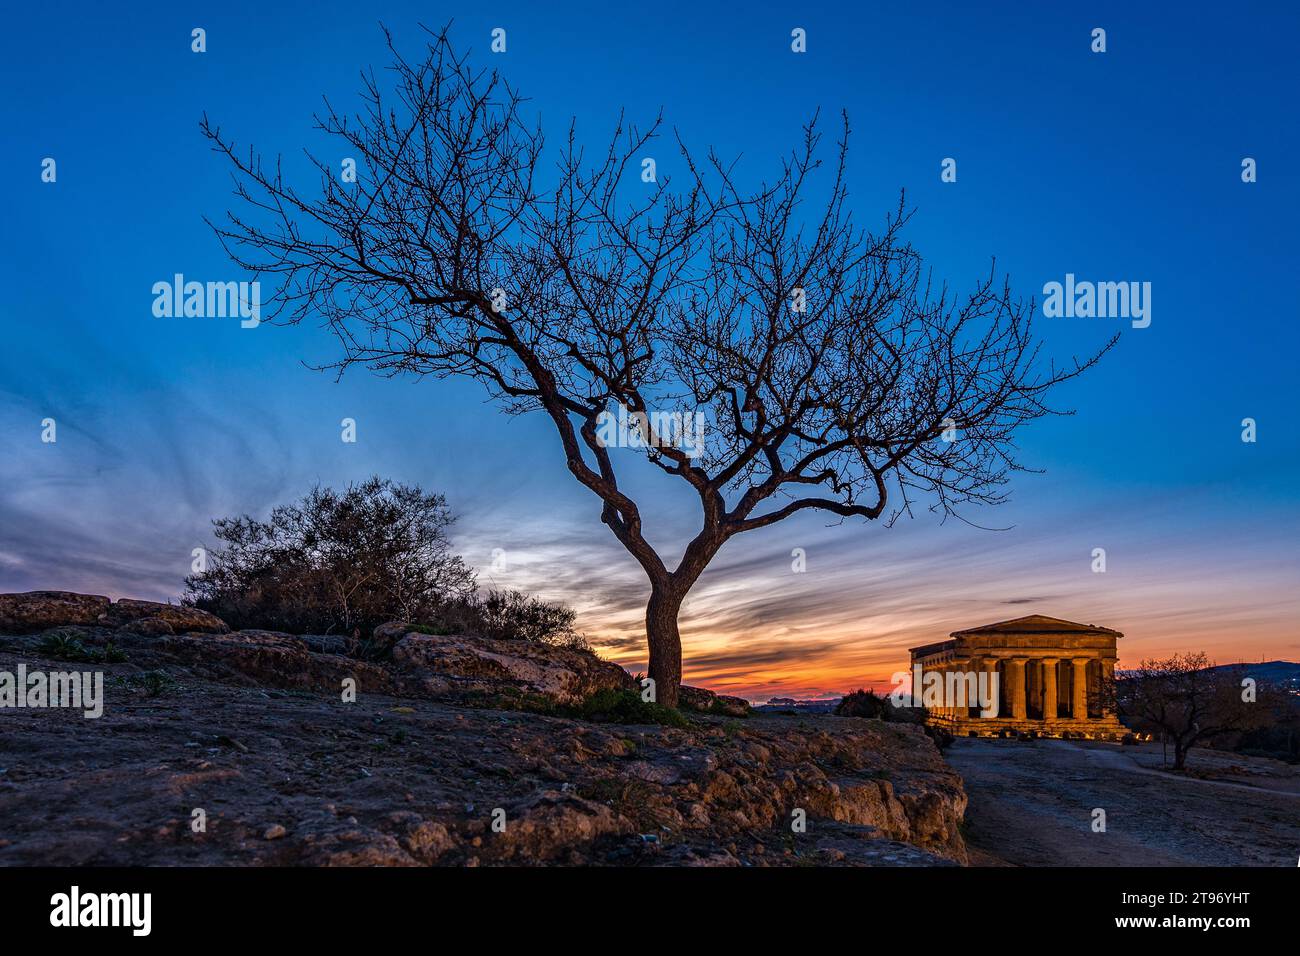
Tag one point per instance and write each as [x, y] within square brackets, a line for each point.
[1032, 804]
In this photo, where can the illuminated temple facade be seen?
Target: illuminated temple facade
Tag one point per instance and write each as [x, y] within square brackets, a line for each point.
[1055, 678]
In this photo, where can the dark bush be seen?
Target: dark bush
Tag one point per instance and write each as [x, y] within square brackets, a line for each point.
[505, 616]
[335, 562]
[864, 703]
[627, 707]
[513, 615]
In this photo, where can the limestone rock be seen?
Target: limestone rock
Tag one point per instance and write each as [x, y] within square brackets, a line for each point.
[462, 663]
[266, 656]
[276, 659]
[549, 823]
[707, 702]
[148, 627]
[179, 618]
[32, 611]
[385, 637]
[327, 643]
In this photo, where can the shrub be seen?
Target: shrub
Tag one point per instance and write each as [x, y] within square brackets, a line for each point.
[64, 647]
[506, 615]
[627, 707]
[69, 647]
[153, 683]
[864, 703]
[334, 562]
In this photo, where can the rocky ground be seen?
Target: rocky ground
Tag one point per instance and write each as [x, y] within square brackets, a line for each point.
[1032, 803]
[251, 728]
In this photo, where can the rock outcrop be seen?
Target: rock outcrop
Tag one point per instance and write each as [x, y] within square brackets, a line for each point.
[399, 658]
[459, 664]
[34, 611]
[299, 778]
[130, 614]
[253, 722]
[263, 658]
[704, 701]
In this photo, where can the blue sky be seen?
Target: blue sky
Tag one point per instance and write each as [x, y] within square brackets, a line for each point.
[1116, 166]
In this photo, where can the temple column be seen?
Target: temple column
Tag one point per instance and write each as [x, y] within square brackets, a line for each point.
[1016, 692]
[995, 688]
[957, 691]
[1049, 687]
[978, 666]
[959, 702]
[1079, 707]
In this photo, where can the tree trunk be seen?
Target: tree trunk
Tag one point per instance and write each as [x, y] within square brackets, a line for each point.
[665, 643]
[1180, 754]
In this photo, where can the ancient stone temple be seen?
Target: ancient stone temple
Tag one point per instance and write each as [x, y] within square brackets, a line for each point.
[1054, 678]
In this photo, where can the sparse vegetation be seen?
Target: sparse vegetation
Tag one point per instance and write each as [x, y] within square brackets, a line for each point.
[506, 615]
[62, 647]
[627, 707]
[65, 646]
[154, 683]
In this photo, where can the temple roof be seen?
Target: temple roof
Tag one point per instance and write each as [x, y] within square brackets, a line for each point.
[1036, 624]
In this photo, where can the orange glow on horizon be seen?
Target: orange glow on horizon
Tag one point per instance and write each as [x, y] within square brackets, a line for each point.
[840, 662]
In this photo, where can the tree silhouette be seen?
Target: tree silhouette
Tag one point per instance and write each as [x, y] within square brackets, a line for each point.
[1190, 700]
[826, 365]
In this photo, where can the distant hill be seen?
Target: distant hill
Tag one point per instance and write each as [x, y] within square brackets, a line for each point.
[1274, 672]
[824, 705]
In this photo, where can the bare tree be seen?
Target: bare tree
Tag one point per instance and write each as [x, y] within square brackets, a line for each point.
[825, 363]
[1190, 700]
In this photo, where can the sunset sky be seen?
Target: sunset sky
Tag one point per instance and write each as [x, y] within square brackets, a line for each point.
[1115, 167]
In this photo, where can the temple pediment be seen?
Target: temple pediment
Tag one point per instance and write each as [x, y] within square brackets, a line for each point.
[1036, 624]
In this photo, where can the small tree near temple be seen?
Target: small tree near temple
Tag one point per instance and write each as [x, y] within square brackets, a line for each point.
[1190, 700]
